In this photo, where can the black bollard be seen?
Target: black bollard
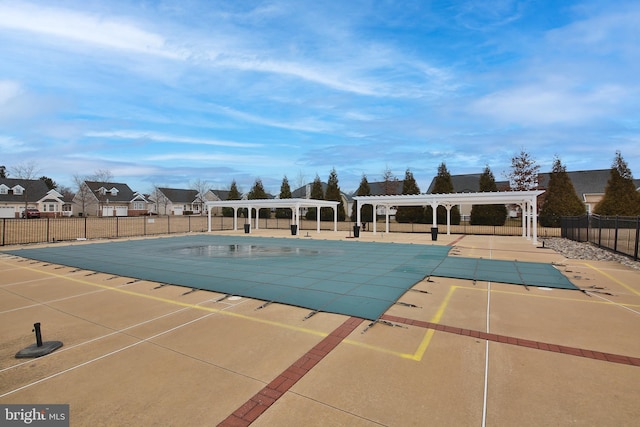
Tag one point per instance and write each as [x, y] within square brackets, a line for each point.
[36, 329]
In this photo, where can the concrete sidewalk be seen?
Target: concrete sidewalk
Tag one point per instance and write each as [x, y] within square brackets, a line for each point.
[454, 353]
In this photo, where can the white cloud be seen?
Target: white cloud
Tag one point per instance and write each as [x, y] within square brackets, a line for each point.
[84, 28]
[8, 91]
[160, 137]
[10, 145]
[548, 104]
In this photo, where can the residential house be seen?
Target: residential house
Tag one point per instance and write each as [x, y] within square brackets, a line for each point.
[95, 198]
[590, 185]
[176, 201]
[16, 194]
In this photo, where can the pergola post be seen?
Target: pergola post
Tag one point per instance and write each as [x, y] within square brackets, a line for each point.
[434, 208]
[534, 215]
[335, 219]
[448, 208]
[235, 219]
[318, 219]
[386, 219]
[375, 210]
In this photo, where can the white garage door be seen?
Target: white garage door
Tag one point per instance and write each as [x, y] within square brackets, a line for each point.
[122, 211]
[7, 212]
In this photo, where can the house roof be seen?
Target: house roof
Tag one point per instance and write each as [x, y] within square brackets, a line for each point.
[221, 194]
[34, 189]
[392, 188]
[468, 183]
[585, 182]
[178, 195]
[124, 193]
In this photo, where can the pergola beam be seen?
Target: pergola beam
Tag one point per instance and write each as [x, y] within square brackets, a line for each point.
[257, 204]
[526, 199]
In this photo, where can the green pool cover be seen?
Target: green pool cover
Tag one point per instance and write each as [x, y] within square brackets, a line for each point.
[354, 278]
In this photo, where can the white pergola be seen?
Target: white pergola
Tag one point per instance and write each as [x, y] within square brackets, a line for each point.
[293, 204]
[527, 200]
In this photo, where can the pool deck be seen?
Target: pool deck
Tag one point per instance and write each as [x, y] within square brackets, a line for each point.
[455, 353]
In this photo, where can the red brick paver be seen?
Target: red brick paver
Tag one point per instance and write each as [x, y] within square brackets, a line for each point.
[254, 407]
[504, 339]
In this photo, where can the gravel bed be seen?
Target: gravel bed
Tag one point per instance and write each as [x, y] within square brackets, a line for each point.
[579, 250]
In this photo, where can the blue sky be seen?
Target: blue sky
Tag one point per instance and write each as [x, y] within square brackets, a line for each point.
[166, 92]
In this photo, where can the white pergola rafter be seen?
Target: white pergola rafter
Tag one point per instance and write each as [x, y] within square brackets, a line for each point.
[527, 200]
[293, 204]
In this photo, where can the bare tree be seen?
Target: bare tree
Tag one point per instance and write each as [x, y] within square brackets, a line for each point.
[524, 172]
[301, 179]
[201, 186]
[27, 171]
[389, 182]
[83, 192]
[101, 175]
[160, 200]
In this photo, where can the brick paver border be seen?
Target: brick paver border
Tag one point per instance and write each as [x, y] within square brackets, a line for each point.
[261, 401]
[504, 339]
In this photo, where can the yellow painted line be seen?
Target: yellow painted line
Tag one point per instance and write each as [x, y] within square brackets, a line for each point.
[422, 348]
[624, 285]
[417, 356]
[181, 304]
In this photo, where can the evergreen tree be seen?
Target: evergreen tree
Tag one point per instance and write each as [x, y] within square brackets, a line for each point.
[560, 198]
[51, 184]
[410, 214]
[488, 214]
[234, 194]
[258, 192]
[333, 194]
[366, 214]
[524, 172]
[285, 193]
[443, 185]
[317, 193]
[620, 195]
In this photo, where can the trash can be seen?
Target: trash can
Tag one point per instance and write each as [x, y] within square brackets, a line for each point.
[294, 230]
[247, 228]
[356, 231]
[434, 233]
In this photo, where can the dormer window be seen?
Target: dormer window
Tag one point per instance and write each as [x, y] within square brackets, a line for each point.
[102, 191]
[18, 190]
[4, 189]
[114, 191]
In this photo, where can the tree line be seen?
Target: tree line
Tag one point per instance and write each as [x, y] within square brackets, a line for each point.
[560, 198]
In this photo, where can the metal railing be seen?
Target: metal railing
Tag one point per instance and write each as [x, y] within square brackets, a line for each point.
[23, 231]
[619, 234]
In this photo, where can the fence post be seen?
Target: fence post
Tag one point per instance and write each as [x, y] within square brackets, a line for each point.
[85, 227]
[635, 252]
[48, 230]
[615, 238]
[599, 232]
[4, 229]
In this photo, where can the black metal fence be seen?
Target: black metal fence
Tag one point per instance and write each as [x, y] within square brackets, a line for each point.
[619, 234]
[22, 231]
